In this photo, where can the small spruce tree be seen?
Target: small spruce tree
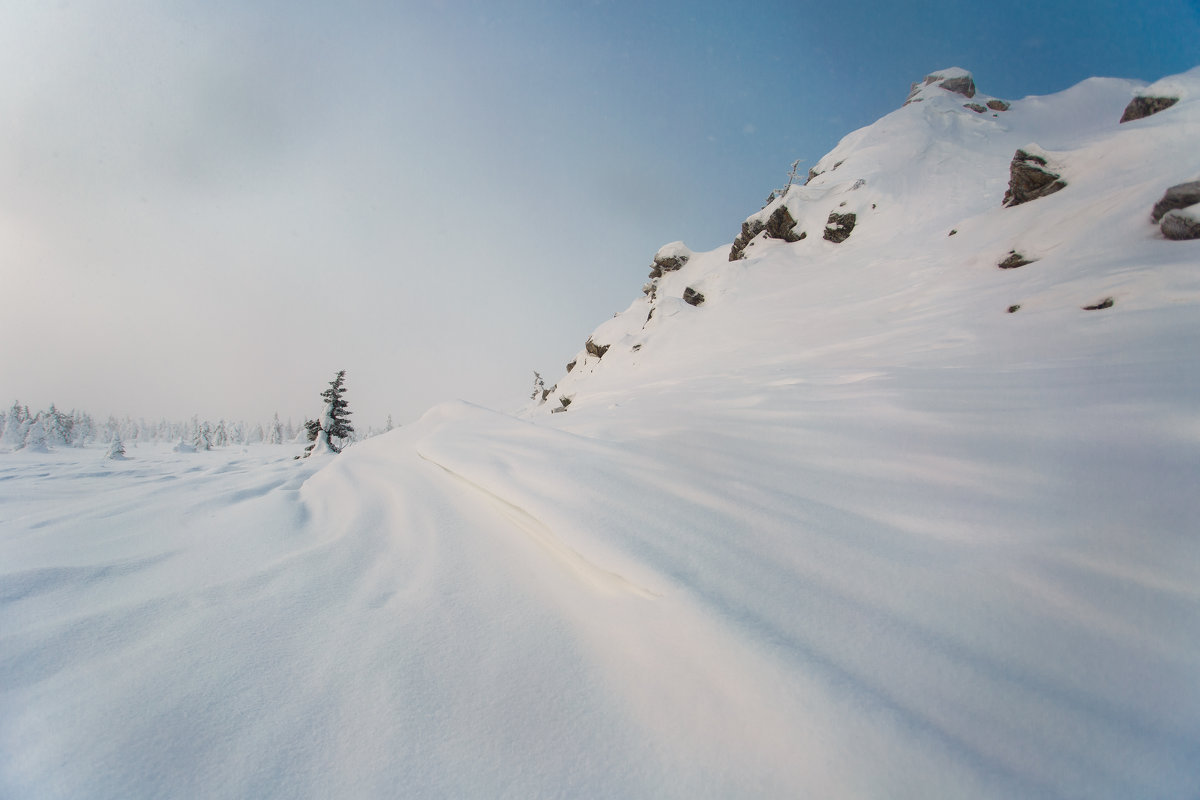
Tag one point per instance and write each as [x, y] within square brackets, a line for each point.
[116, 450]
[331, 433]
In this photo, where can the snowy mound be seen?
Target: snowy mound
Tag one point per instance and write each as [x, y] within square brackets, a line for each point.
[902, 227]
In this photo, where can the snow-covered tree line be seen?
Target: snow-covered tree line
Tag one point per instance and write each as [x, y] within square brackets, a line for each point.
[22, 428]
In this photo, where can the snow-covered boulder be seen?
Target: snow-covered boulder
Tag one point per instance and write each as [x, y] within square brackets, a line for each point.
[1162, 94]
[670, 258]
[1028, 177]
[778, 223]
[954, 79]
[1182, 223]
[1181, 195]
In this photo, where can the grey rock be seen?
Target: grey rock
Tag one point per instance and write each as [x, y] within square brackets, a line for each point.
[1140, 107]
[1014, 308]
[1015, 260]
[779, 225]
[963, 85]
[1181, 195]
[1029, 179]
[838, 227]
[978, 109]
[750, 229]
[670, 263]
[997, 105]
[692, 297]
[597, 350]
[1179, 226]
[1103, 304]
[570, 366]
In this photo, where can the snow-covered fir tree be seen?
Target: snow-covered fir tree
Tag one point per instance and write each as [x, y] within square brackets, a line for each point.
[331, 433]
[83, 429]
[202, 438]
[35, 436]
[14, 427]
[116, 450]
[275, 435]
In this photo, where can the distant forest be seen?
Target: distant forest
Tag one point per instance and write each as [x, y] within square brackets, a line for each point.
[21, 428]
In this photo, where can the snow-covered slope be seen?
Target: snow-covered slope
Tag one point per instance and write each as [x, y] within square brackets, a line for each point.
[847, 528]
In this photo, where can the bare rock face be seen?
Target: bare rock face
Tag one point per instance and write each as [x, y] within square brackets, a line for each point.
[1181, 195]
[597, 350]
[838, 227]
[692, 297]
[1181, 224]
[1029, 179]
[1140, 107]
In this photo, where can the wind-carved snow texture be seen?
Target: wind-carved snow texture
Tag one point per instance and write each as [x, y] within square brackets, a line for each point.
[847, 529]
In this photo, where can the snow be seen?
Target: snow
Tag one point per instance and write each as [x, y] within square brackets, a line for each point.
[1181, 86]
[673, 250]
[848, 529]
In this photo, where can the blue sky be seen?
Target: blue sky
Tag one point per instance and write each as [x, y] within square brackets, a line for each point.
[210, 207]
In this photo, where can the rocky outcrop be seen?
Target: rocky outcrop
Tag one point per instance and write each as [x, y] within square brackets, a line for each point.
[1103, 304]
[779, 225]
[1181, 195]
[597, 350]
[1028, 179]
[997, 105]
[838, 227]
[692, 297]
[963, 85]
[1182, 224]
[750, 229]
[1140, 107]
[1015, 260]
[978, 109]
[954, 80]
[670, 258]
